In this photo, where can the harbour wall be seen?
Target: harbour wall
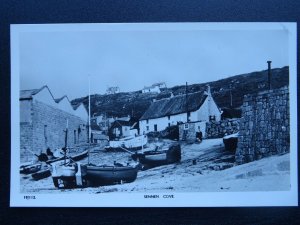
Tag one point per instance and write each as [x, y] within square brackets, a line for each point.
[264, 126]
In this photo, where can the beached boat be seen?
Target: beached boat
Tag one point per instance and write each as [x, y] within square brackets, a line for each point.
[29, 168]
[132, 143]
[230, 142]
[44, 173]
[105, 175]
[68, 175]
[154, 158]
[76, 157]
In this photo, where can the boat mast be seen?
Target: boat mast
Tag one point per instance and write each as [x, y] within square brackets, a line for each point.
[89, 118]
[186, 102]
[143, 143]
[66, 142]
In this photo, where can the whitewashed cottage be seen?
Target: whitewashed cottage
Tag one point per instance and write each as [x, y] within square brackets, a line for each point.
[195, 107]
[156, 88]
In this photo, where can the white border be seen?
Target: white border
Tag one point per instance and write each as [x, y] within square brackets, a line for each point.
[196, 199]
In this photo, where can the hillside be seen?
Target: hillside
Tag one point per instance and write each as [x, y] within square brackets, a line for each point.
[136, 103]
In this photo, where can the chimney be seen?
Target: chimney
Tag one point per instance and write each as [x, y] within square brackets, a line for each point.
[208, 90]
[269, 74]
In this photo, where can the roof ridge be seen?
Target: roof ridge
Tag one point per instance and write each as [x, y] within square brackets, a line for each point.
[56, 100]
[175, 105]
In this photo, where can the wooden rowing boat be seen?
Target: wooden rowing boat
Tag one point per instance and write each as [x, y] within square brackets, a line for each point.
[76, 157]
[131, 143]
[154, 158]
[105, 175]
[30, 168]
[46, 172]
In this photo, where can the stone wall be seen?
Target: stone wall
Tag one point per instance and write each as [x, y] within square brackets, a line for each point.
[264, 126]
[188, 133]
[26, 134]
[46, 129]
[217, 129]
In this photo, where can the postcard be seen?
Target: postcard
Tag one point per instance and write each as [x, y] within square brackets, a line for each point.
[153, 115]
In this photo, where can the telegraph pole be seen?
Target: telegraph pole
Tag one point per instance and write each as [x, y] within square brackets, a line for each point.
[230, 96]
[186, 102]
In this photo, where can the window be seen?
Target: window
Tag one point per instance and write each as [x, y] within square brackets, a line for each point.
[78, 133]
[155, 127]
[74, 136]
[147, 127]
[169, 124]
[212, 118]
[186, 126]
[169, 117]
[147, 121]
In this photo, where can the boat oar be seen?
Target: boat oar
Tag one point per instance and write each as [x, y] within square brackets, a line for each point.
[126, 150]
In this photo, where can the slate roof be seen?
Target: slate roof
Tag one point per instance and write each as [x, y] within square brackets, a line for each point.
[57, 100]
[94, 126]
[119, 123]
[27, 94]
[174, 105]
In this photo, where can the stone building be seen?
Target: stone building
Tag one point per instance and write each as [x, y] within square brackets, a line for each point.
[44, 119]
[156, 88]
[123, 128]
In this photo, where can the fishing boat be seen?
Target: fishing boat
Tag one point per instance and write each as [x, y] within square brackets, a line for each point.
[29, 168]
[46, 172]
[131, 143]
[106, 175]
[154, 158]
[230, 142]
[76, 157]
[43, 173]
[68, 175]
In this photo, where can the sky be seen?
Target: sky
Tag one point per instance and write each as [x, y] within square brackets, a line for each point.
[135, 56]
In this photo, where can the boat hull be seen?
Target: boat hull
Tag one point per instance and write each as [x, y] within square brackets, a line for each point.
[132, 143]
[105, 175]
[28, 169]
[77, 157]
[41, 174]
[152, 159]
[66, 176]
[230, 142]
